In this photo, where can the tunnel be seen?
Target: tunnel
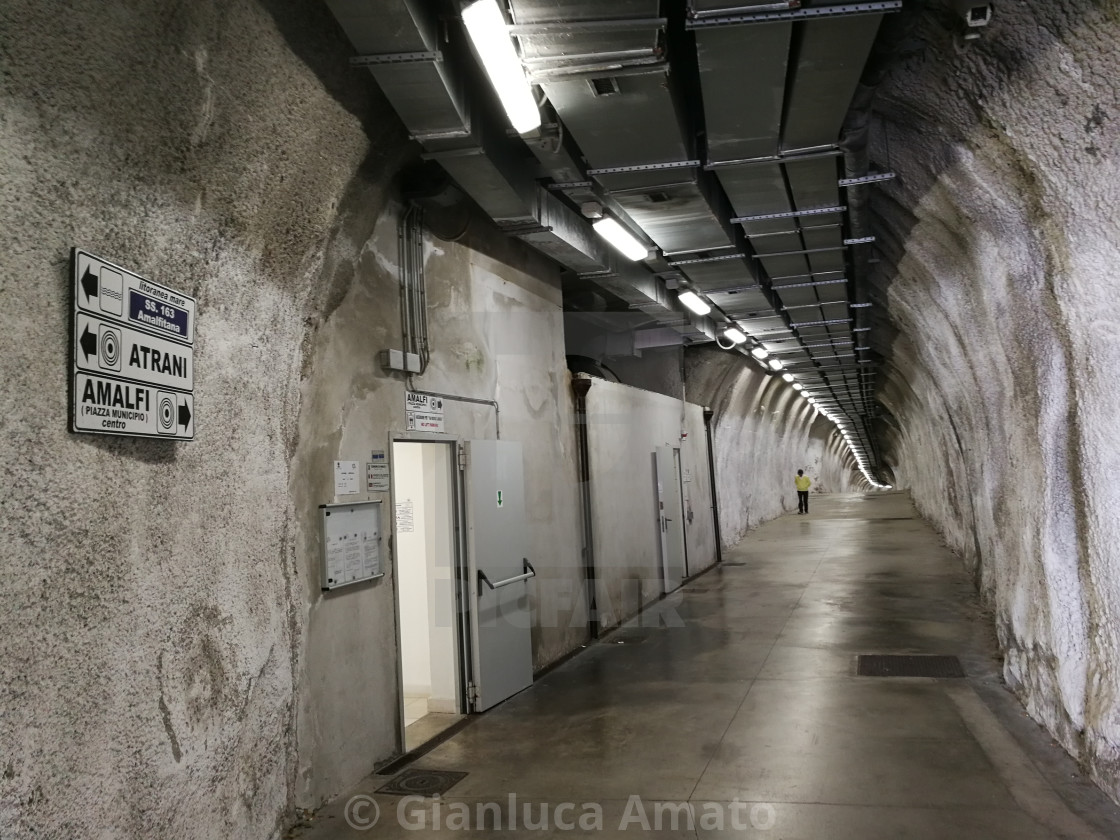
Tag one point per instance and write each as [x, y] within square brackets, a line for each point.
[378, 396]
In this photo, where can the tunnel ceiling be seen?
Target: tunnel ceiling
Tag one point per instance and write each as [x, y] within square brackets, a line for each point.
[719, 132]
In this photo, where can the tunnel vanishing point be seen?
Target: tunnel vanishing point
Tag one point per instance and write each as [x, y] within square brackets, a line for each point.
[712, 243]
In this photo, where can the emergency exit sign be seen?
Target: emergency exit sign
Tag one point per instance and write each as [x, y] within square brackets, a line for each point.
[132, 353]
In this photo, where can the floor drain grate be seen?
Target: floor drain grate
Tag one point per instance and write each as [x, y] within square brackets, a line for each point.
[880, 665]
[625, 638]
[423, 782]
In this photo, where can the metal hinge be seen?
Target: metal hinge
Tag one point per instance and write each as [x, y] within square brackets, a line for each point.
[472, 694]
[464, 461]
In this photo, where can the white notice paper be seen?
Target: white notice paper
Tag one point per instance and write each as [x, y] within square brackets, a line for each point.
[353, 557]
[405, 521]
[345, 477]
[377, 473]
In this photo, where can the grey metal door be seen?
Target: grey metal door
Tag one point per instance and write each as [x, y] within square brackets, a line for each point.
[500, 572]
[671, 518]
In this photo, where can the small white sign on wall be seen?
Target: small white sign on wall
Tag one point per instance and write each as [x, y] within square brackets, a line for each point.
[406, 519]
[345, 477]
[419, 421]
[377, 473]
[423, 412]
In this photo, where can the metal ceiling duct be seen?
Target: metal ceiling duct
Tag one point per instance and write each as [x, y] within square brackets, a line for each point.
[422, 76]
[779, 161]
[399, 42]
[603, 68]
[745, 208]
[743, 66]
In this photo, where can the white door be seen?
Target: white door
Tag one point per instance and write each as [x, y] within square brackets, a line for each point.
[500, 571]
[671, 518]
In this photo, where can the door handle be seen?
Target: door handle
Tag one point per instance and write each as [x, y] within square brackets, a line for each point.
[530, 572]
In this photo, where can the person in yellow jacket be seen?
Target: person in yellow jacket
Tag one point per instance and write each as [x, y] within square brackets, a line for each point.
[802, 482]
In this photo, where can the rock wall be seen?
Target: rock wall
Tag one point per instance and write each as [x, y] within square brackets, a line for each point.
[763, 433]
[168, 665]
[149, 605]
[1001, 251]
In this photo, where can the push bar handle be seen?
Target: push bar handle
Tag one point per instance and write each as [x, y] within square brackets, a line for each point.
[530, 572]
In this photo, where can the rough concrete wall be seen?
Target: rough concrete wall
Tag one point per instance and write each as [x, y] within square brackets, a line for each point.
[1002, 250]
[658, 369]
[147, 611]
[161, 632]
[764, 432]
[496, 330]
[625, 426]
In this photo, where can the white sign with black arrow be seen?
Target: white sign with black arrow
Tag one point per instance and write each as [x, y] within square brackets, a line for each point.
[133, 354]
[112, 292]
[113, 407]
[114, 350]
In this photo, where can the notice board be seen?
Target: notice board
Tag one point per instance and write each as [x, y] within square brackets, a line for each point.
[351, 539]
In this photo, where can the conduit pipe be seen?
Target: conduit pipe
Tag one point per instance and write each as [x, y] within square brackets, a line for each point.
[581, 384]
[708, 414]
[414, 310]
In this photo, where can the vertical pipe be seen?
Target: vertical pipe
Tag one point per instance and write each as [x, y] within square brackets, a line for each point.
[423, 348]
[708, 414]
[581, 384]
[404, 250]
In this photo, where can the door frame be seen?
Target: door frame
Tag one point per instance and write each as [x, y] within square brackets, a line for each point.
[678, 465]
[461, 606]
[660, 491]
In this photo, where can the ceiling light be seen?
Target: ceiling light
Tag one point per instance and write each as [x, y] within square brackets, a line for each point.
[736, 335]
[694, 302]
[777, 364]
[488, 32]
[797, 386]
[760, 352]
[626, 243]
[788, 377]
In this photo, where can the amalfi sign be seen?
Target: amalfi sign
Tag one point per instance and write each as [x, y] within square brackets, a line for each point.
[133, 353]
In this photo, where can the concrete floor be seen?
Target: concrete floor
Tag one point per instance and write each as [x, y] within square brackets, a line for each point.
[742, 688]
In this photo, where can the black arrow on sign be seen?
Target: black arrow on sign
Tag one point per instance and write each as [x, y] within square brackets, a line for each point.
[184, 415]
[90, 283]
[88, 341]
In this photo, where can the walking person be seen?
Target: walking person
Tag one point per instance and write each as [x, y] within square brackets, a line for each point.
[802, 483]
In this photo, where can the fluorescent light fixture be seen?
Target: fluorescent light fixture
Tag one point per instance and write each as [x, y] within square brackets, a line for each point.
[797, 386]
[487, 30]
[787, 377]
[777, 364]
[736, 335]
[760, 353]
[624, 241]
[694, 302]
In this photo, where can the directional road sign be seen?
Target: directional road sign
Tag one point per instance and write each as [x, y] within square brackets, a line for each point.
[133, 353]
[112, 292]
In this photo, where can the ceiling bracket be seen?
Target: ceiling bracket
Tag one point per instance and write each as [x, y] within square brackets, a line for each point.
[792, 214]
[844, 10]
[432, 57]
[867, 179]
[645, 167]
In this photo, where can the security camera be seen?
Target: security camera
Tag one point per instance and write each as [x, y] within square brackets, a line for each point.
[974, 14]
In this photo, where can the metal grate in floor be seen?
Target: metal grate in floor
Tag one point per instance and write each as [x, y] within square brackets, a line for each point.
[626, 637]
[885, 665]
[419, 782]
